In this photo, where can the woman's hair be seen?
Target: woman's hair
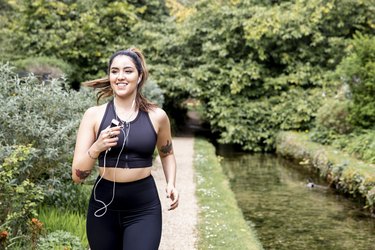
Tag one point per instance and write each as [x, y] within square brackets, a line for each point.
[104, 85]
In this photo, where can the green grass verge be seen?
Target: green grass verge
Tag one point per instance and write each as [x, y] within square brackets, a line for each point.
[57, 219]
[221, 224]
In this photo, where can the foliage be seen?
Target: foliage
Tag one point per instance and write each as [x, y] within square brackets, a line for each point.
[333, 114]
[19, 197]
[82, 33]
[340, 121]
[332, 121]
[46, 67]
[259, 67]
[153, 92]
[221, 223]
[360, 144]
[62, 192]
[231, 55]
[60, 240]
[358, 71]
[70, 221]
[45, 115]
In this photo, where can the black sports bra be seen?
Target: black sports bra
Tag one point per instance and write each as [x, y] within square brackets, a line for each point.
[139, 144]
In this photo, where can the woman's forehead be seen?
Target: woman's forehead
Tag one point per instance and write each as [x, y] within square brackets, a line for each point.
[122, 61]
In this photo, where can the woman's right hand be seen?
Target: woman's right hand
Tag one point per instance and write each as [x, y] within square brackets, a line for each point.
[108, 138]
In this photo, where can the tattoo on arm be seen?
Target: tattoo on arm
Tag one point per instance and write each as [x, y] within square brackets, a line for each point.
[83, 174]
[167, 148]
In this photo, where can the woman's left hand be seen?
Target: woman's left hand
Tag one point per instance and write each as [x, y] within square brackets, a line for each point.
[172, 193]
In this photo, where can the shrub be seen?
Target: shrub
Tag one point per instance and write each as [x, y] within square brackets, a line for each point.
[358, 70]
[153, 92]
[60, 240]
[19, 197]
[332, 118]
[45, 67]
[333, 114]
[45, 115]
[360, 144]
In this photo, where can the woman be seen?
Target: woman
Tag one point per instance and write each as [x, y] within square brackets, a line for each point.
[124, 209]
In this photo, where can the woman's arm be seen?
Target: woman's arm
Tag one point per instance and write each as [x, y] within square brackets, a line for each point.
[84, 156]
[87, 148]
[165, 149]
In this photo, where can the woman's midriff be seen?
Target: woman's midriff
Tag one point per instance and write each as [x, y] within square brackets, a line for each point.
[124, 174]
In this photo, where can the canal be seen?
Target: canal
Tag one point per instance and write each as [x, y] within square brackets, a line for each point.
[278, 200]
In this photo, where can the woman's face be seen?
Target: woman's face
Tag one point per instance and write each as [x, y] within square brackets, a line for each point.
[123, 76]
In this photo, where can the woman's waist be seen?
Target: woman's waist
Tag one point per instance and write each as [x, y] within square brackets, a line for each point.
[121, 196]
[120, 174]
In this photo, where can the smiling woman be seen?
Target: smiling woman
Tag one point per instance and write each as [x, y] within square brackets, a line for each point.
[122, 134]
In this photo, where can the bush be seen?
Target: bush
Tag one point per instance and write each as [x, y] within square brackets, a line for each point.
[60, 240]
[45, 67]
[153, 92]
[333, 114]
[45, 115]
[358, 71]
[360, 144]
[332, 118]
[19, 197]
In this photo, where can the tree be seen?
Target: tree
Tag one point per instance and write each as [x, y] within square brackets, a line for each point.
[82, 33]
[260, 66]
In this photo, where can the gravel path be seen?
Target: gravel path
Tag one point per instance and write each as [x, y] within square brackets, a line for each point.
[179, 226]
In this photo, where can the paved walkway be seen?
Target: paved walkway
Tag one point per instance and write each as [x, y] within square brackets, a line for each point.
[179, 225]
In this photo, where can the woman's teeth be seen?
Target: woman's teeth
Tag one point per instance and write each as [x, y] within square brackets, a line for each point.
[122, 84]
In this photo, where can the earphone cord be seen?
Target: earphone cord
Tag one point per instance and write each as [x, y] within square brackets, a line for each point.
[126, 135]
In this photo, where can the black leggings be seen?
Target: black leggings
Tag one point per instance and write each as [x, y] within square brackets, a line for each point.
[133, 219]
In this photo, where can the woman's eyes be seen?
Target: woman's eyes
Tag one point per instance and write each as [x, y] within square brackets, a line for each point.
[126, 71]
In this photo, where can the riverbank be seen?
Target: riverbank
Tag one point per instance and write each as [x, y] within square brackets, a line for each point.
[221, 222]
[208, 216]
[346, 174]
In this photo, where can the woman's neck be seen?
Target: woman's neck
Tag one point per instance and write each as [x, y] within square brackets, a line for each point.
[125, 108]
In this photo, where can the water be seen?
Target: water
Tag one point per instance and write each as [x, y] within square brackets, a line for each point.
[287, 214]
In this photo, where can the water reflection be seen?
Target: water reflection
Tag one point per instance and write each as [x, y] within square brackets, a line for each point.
[287, 214]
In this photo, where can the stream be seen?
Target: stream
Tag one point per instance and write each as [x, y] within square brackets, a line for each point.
[277, 200]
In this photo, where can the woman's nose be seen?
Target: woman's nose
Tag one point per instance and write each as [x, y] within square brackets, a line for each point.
[121, 75]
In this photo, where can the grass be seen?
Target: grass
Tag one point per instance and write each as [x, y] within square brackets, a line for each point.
[57, 219]
[221, 224]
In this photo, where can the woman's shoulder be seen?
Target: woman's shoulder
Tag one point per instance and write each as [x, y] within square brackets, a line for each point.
[159, 118]
[157, 114]
[94, 111]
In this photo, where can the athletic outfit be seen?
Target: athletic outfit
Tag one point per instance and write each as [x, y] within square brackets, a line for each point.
[126, 215]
